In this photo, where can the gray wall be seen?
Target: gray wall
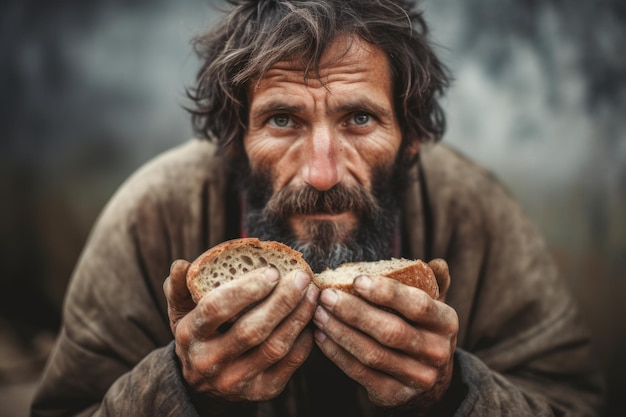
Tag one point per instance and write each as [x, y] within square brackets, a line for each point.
[90, 90]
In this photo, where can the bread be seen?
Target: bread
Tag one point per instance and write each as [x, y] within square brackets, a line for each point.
[415, 273]
[233, 258]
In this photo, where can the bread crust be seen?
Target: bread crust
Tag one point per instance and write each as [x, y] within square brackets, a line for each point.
[418, 274]
[204, 266]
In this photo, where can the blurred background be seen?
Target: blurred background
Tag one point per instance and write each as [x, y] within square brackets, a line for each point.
[91, 90]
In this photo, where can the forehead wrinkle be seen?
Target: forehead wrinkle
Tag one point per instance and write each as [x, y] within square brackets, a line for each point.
[327, 88]
[345, 57]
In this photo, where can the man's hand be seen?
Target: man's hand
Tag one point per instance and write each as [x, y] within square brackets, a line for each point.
[401, 361]
[254, 359]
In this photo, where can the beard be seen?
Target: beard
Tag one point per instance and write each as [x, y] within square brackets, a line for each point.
[328, 244]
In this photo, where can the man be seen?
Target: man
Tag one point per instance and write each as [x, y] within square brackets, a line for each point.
[320, 113]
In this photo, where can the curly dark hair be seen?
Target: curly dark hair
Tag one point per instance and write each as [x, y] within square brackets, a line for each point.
[258, 34]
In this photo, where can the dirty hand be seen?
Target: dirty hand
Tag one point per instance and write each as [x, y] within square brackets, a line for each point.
[254, 359]
[401, 360]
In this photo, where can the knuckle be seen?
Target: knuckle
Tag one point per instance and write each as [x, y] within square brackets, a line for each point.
[226, 386]
[182, 335]
[206, 365]
[297, 358]
[250, 334]
[387, 291]
[274, 349]
[422, 304]
[272, 393]
[439, 356]
[300, 352]
[404, 395]
[429, 378]
[285, 302]
[266, 387]
[393, 334]
[452, 327]
[233, 386]
[264, 394]
[359, 372]
[198, 374]
[209, 308]
[379, 400]
[273, 390]
[375, 358]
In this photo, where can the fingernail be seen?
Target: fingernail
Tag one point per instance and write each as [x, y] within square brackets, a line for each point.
[271, 274]
[319, 336]
[178, 263]
[329, 298]
[302, 280]
[321, 316]
[363, 283]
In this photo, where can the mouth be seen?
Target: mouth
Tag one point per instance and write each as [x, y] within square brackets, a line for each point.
[302, 224]
[324, 216]
[346, 216]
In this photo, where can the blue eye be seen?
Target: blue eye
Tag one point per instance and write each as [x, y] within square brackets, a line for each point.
[280, 120]
[361, 118]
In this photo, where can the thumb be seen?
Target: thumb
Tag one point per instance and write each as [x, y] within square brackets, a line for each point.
[179, 301]
[442, 274]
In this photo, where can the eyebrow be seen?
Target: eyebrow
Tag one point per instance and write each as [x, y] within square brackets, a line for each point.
[365, 105]
[358, 105]
[274, 107]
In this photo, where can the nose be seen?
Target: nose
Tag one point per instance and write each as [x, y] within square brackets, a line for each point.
[322, 166]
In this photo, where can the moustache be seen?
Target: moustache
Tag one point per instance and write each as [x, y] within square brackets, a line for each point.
[307, 200]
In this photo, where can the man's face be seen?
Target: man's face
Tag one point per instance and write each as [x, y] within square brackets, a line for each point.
[322, 154]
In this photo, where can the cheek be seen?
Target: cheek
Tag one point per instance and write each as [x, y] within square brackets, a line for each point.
[260, 149]
[270, 157]
[375, 152]
[259, 154]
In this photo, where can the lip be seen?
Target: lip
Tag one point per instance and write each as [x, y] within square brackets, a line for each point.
[343, 223]
[326, 216]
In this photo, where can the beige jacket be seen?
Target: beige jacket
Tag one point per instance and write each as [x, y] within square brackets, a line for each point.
[521, 349]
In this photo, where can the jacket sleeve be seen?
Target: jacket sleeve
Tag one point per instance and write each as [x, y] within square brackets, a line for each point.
[152, 387]
[491, 394]
[114, 354]
[522, 348]
[111, 353]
